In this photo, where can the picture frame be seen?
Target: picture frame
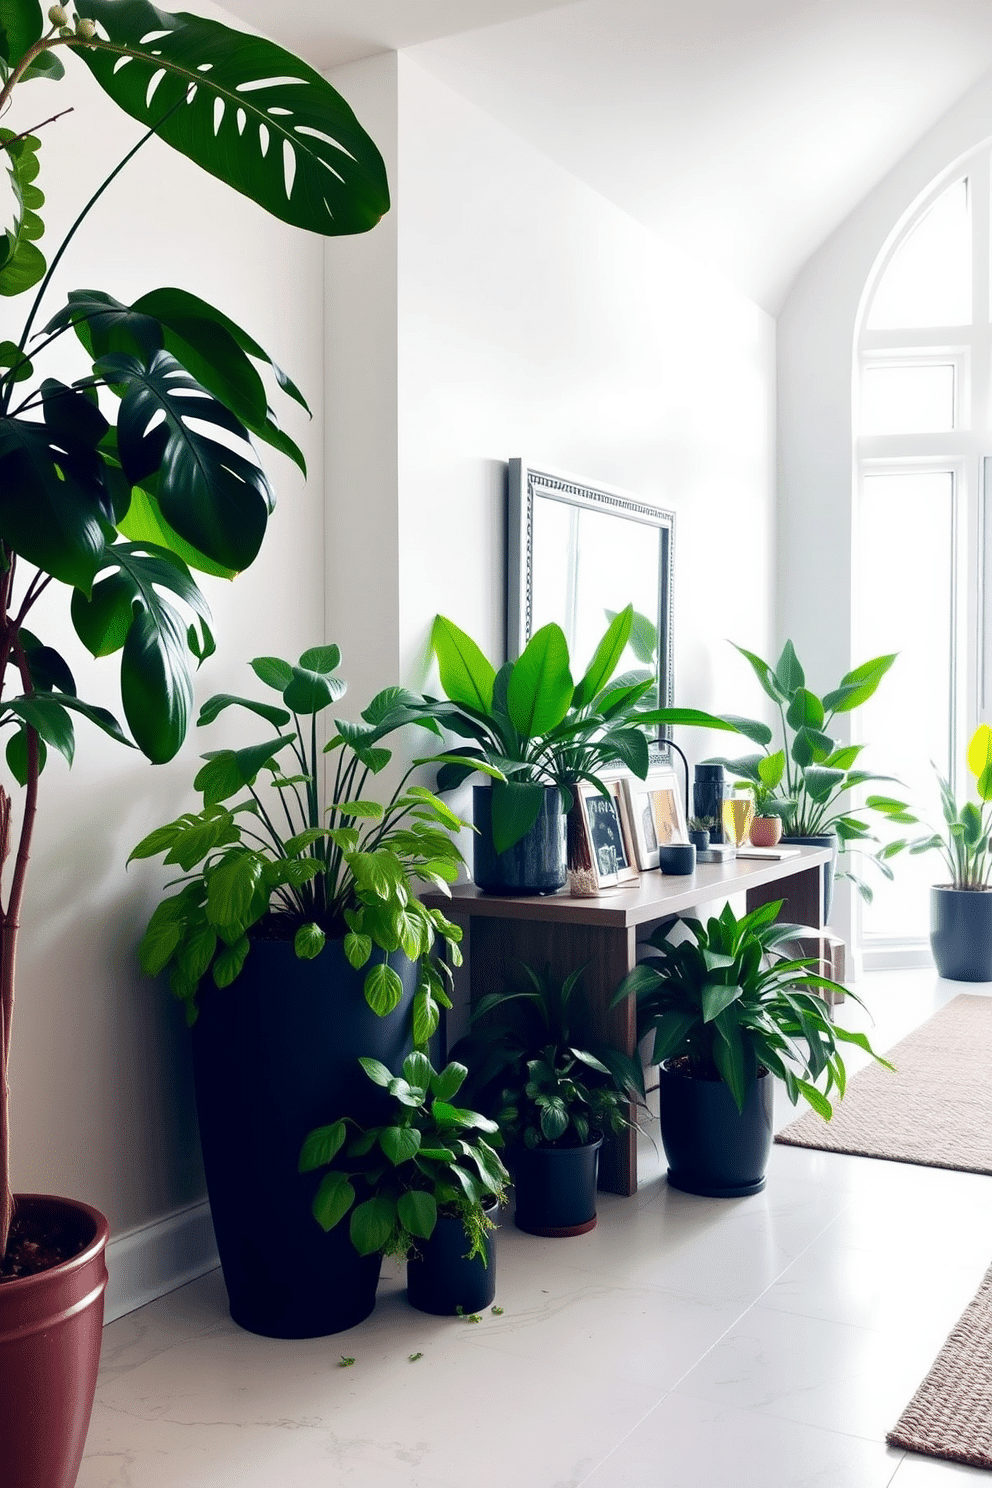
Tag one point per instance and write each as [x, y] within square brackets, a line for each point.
[611, 850]
[655, 813]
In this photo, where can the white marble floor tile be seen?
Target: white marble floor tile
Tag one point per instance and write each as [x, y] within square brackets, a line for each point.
[916, 1471]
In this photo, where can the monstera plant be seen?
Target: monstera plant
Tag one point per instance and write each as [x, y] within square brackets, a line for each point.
[116, 485]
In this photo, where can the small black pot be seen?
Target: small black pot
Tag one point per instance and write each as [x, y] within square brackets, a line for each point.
[537, 864]
[712, 1148]
[826, 839]
[441, 1279]
[556, 1189]
[961, 933]
[700, 840]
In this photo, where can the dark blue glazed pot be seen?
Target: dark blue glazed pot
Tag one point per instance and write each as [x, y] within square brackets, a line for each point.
[961, 933]
[712, 1148]
[827, 839]
[537, 864]
[441, 1279]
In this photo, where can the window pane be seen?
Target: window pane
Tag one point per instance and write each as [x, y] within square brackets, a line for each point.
[905, 603]
[907, 400]
[928, 282]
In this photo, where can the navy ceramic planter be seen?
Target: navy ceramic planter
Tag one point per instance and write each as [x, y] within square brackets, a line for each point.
[827, 839]
[556, 1189]
[274, 1055]
[712, 1148]
[441, 1279]
[537, 864]
[961, 933]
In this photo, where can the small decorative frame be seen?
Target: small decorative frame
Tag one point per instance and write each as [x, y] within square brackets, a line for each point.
[610, 848]
[655, 813]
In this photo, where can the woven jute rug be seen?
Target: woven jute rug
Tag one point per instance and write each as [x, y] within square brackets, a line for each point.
[936, 1110]
[951, 1413]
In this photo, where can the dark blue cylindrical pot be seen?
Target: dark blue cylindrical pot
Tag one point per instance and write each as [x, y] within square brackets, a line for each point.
[961, 933]
[555, 1189]
[440, 1279]
[826, 839]
[274, 1055]
[709, 786]
[712, 1148]
[537, 864]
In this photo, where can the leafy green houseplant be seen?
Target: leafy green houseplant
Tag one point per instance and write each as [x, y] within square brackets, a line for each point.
[806, 778]
[728, 1010]
[116, 485]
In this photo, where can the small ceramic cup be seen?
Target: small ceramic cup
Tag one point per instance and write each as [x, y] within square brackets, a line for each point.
[677, 857]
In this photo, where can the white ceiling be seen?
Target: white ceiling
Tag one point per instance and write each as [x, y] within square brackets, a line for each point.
[743, 131]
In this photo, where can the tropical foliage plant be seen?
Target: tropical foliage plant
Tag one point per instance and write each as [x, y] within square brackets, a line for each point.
[115, 485]
[730, 1003]
[429, 1158]
[531, 721]
[964, 843]
[537, 1067]
[311, 869]
[807, 777]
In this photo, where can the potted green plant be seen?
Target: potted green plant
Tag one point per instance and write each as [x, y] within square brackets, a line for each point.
[297, 944]
[554, 1089]
[699, 828]
[766, 826]
[114, 487]
[545, 733]
[961, 911]
[730, 1014]
[430, 1181]
[806, 779]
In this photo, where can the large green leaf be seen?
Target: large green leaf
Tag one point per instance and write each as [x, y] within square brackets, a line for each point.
[515, 808]
[764, 674]
[859, 685]
[21, 25]
[805, 710]
[243, 109]
[466, 676]
[789, 675]
[21, 263]
[540, 686]
[606, 659]
[228, 771]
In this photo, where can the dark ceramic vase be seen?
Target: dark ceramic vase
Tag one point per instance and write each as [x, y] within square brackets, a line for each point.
[442, 1280]
[712, 1148]
[537, 864]
[556, 1189]
[826, 839]
[274, 1055]
[961, 933]
[50, 1334]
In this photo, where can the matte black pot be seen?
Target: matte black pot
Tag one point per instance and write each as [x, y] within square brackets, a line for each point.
[826, 839]
[274, 1055]
[537, 864]
[712, 1148]
[441, 1279]
[556, 1189]
[961, 933]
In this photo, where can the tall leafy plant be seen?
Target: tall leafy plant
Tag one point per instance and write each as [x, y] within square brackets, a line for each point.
[965, 842]
[115, 485]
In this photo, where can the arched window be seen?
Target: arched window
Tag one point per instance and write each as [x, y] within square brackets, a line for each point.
[923, 438]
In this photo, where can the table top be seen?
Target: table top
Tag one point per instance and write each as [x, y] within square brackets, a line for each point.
[654, 896]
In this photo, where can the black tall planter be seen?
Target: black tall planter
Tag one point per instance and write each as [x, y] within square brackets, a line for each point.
[441, 1279]
[712, 1148]
[961, 933]
[537, 864]
[826, 839]
[274, 1055]
[555, 1189]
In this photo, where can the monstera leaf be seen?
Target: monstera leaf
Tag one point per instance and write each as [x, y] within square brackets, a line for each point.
[243, 109]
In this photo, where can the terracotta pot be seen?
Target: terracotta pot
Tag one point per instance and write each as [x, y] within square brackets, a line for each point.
[766, 831]
[50, 1331]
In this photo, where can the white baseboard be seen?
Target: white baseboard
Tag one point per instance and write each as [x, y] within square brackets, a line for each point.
[146, 1262]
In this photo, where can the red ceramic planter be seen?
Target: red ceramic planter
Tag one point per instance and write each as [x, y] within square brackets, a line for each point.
[50, 1328]
[766, 831]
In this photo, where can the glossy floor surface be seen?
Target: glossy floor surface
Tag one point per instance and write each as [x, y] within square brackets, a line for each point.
[766, 1342]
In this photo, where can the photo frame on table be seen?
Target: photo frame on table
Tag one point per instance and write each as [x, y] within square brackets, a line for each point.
[655, 813]
[611, 850]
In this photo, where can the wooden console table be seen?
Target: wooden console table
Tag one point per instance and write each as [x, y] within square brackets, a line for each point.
[601, 934]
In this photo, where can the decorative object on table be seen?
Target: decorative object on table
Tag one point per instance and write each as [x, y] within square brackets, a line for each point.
[677, 857]
[296, 943]
[717, 852]
[765, 831]
[535, 1065]
[935, 1110]
[530, 724]
[611, 850]
[699, 828]
[728, 1013]
[430, 1182]
[708, 788]
[655, 813]
[139, 498]
[961, 911]
[810, 773]
[738, 814]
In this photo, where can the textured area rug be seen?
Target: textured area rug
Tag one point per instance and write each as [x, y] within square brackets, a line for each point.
[936, 1110]
[951, 1413]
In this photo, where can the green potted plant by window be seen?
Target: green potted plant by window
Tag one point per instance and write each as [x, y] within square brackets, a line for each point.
[114, 487]
[961, 911]
[555, 1090]
[809, 774]
[546, 733]
[297, 943]
[430, 1180]
[730, 1014]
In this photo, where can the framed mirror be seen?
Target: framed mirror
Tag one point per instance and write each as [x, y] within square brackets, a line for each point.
[577, 554]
